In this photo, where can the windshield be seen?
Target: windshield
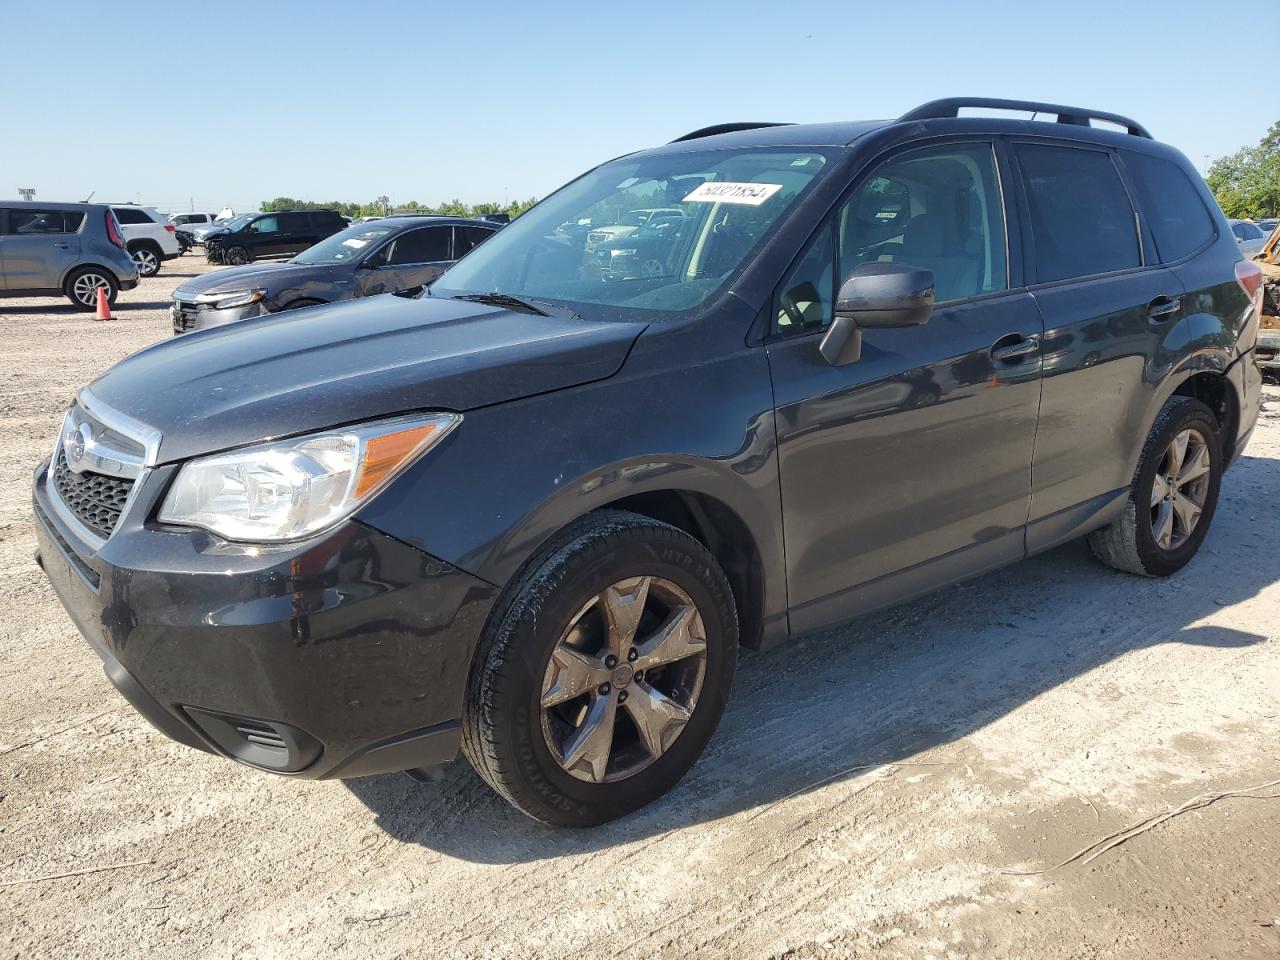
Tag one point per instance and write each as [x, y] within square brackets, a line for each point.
[237, 222]
[702, 214]
[346, 246]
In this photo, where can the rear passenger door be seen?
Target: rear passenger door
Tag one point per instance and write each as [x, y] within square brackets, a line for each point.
[38, 247]
[296, 234]
[413, 258]
[1105, 302]
[910, 466]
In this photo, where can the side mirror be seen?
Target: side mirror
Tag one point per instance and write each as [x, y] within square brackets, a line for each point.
[876, 295]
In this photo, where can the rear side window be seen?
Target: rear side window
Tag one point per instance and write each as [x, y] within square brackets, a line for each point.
[289, 222]
[420, 246]
[1081, 221]
[467, 238]
[27, 222]
[130, 215]
[1175, 213]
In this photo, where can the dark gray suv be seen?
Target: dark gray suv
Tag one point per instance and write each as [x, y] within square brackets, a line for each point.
[63, 250]
[534, 514]
[391, 255]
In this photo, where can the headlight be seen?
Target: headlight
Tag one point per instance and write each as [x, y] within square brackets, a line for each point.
[234, 298]
[630, 252]
[295, 488]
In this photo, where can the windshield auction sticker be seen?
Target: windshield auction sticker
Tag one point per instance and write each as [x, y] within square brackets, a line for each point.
[750, 194]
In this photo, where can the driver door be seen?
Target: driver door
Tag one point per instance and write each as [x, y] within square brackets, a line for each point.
[409, 260]
[910, 466]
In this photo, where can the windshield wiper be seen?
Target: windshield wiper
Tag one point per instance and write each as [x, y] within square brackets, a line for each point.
[502, 300]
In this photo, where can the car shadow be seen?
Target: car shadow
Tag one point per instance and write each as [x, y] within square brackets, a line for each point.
[885, 687]
[64, 309]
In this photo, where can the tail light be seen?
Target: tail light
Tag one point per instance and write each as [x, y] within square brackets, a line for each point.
[171, 228]
[113, 230]
[1249, 276]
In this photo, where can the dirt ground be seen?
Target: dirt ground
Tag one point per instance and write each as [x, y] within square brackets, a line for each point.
[900, 787]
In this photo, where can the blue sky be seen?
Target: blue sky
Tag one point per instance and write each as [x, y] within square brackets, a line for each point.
[481, 100]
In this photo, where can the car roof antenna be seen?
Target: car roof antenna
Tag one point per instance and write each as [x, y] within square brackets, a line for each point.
[90, 197]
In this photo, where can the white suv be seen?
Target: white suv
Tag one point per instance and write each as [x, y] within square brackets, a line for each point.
[189, 221]
[149, 239]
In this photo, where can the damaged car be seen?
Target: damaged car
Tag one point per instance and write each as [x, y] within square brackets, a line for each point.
[387, 256]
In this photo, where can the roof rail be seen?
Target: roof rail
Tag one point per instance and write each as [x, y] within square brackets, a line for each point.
[724, 128]
[1076, 116]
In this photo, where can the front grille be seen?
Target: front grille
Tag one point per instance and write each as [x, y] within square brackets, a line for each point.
[184, 317]
[95, 499]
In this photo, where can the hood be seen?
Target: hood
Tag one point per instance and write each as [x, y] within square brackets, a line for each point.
[247, 277]
[294, 373]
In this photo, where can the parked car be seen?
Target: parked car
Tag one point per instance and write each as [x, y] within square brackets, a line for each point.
[201, 233]
[278, 234]
[190, 221]
[1267, 226]
[1249, 236]
[534, 514]
[63, 250]
[630, 222]
[392, 255]
[645, 253]
[149, 238]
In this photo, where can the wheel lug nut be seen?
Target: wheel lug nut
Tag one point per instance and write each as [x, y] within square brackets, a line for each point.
[604, 689]
[633, 654]
[638, 677]
[622, 697]
[610, 661]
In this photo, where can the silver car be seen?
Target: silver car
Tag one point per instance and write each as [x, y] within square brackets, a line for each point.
[1249, 238]
[63, 249]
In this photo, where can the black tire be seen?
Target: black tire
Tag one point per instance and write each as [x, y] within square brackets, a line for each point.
[502, 718]
[81, 280]
[237, 255]
[148, 257]
[1129, 543]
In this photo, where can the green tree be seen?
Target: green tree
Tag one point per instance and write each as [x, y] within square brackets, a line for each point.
[1247, 182]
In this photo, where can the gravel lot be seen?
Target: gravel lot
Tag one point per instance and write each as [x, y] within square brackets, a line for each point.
[888, 787]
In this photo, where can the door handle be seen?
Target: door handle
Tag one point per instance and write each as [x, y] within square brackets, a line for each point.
[1014, 347]
[1162, 307]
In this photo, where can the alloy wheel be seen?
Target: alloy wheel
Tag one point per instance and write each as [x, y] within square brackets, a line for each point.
[624, 679]
[1179, 490]
[86, 287]
[148, 263]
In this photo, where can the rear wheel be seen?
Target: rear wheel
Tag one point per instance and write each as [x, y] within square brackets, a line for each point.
[81, 288]
[601, 678]
[1173, 495]
[147, 258]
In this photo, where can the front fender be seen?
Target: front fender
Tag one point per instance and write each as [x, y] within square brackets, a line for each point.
[512, 475]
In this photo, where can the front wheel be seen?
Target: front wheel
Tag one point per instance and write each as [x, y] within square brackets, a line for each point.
[236, 256]
[1172, 497]
[603, 674]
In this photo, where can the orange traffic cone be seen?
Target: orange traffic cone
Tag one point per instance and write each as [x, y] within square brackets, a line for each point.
[104, 308]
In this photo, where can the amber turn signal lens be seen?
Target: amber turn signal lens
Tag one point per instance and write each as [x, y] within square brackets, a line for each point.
[384, 455]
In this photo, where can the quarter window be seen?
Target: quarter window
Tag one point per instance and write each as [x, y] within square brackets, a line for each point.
[1081, 220]
[1176, 214]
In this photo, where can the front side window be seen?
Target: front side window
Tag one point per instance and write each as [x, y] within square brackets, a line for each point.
[575, 249]
[427, 245]
[1178, 218]
[27, 222]
[264, 225]
[1081, 221]
[938, 209]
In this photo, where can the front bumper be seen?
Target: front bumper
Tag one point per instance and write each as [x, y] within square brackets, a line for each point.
[342, 656]
[188, 317]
